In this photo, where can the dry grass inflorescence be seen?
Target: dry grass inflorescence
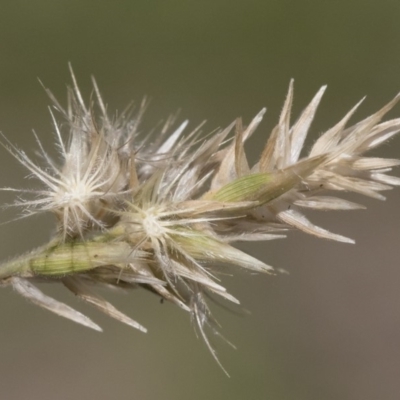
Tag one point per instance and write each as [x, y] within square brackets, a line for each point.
[162, 211]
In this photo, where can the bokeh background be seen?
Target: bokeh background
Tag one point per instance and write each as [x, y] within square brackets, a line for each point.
[328, 330]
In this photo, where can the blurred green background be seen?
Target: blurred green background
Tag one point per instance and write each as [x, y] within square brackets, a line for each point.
[330, 329]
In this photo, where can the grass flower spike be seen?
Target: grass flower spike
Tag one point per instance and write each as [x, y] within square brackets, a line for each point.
[162, 211]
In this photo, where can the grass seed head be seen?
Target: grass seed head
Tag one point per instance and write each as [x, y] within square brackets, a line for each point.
[162, 212]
